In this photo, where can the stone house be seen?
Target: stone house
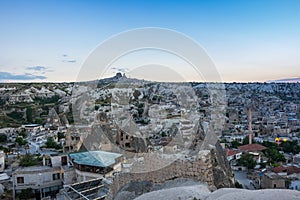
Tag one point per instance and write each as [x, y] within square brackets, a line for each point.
[272, 180]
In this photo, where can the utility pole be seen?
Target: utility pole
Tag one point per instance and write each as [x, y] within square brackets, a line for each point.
[13, 180]
[250, 125]
[40, 177]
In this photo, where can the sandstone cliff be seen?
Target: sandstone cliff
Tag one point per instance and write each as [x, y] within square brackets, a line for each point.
[203, 162]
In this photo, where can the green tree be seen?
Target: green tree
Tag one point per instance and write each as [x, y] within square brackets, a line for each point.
[290, 147]
[28, 160]
[246, 140]
[247, 161]
[60, 135]
[16, 115]
[23, 134]
[238, 185]
[235, 144]
[52, 144]
[3, 138]
[163, 134]
[274, 155]
[223, 141]
[26, 194]
[29, 112]
[21, 141]
[270, 145]
[38, 121]
[6, 150]
[2, 102]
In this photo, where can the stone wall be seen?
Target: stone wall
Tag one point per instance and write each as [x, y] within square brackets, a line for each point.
[199, 167]
[205, 161]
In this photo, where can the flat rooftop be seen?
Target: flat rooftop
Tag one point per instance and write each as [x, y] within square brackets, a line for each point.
[95, 158]
[273, 175]
[35, 169]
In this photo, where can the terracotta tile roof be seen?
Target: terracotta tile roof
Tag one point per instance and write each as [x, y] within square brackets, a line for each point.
[231, 152]
[288, 169]
[252, 147]
[278, 169]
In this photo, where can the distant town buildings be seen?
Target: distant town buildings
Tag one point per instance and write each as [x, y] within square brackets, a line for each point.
[78, 159]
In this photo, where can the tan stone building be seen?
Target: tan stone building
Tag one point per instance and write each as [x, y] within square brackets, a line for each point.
[272, 180]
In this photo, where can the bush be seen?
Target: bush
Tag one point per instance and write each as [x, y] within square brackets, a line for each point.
[247, 161]
[21, 141]
[290, 147]
[3, 138]
[23, 134]
[4, 149]
[53, 99]
[274, 156]
[29, 113]
[16, 115]
[235, 144]
[28, 160]
[26, 194]
[238, 185]
[52, 144]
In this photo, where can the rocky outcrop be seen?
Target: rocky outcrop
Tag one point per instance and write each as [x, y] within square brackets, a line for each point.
[204, 162]
[202, 192]
[53, 120]
[242, 194]
[206, 139]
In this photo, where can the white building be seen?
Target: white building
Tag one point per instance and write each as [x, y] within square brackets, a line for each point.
[2, 161]
[295, 185]
[43, 180]
[46, 180]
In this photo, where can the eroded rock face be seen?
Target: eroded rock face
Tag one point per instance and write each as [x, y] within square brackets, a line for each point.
[182, 188]
[202, 192]
[204, 162]
[242, 194]
[205, 139]
[223, 176]
[53, 120]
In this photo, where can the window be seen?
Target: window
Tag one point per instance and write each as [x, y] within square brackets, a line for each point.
[64, 160]
[127, 145]
[56, 176]
[88, 169]
[20, 179]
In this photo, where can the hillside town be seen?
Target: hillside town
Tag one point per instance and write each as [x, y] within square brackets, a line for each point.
[77, 140]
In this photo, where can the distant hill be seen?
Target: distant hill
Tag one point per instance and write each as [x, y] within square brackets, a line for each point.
[286, 80]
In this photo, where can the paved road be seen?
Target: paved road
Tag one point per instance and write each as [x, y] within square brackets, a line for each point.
[34, 148]
[241, 177]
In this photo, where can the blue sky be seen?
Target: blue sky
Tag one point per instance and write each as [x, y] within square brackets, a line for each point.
[255, 40]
